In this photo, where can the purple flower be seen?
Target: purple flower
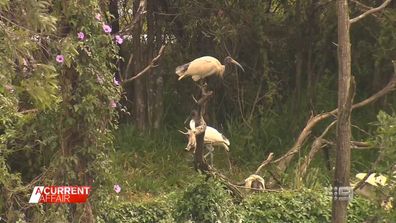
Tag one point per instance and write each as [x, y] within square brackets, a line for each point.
[81, 36]
[60, 58]
[106, 28]
[98, 17]
[116, 82]
[117, 188]
[113, 104]
[119, 39]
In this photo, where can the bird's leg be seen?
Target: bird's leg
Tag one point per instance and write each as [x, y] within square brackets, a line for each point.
[202, 84]
[210, 149]
[229, 161]
[211, 158]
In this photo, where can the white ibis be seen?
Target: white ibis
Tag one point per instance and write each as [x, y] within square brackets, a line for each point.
[205, 66]
[374, 179]
[374, 182]
[255, 181]
[212, 138]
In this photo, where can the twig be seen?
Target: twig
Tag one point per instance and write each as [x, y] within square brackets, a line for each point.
[140, 12]
[151, 65]
[360, 145]
[363, 6]
[316, 146]
[371, 11]
[265, 162]
[29, 111]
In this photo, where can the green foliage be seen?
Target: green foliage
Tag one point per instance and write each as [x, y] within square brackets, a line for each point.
[133, 212]
[156, 162]
[57, 116]
[385, 135]
[206, 201]
[302, 206]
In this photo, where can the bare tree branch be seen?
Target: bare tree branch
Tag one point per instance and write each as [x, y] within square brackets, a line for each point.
[360, 145]
[29, 111]
[316, 146]
[151, 65]
[371, 11]
[361, 5]
[138, 15]
[284, 160]
[265, 162]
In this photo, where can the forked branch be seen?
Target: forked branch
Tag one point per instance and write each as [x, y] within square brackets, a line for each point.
[284, 160]
[265, 162]
[152, 64]
[315, 148]
[371, 11]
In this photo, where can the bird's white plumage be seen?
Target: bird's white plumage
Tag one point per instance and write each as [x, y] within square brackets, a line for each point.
[200, 68]
[373, 179]
[212, 136]
[254, 177]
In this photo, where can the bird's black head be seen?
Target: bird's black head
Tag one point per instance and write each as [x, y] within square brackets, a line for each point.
[229, 60]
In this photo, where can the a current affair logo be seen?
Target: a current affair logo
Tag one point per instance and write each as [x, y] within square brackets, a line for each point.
[60, 194]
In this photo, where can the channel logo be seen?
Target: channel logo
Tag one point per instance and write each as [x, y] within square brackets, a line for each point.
[59, 194]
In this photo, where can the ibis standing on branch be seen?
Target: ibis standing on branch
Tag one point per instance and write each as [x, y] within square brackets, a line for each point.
[212, 138]
[203, 67]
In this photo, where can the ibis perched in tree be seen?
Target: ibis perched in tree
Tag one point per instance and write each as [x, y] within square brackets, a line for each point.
[203, 67]
[212, 138]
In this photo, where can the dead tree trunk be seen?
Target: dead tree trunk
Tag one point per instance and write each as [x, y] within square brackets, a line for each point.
[345, 95]
[200, 127]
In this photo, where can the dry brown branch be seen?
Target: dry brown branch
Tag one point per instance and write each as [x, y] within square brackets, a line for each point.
[200, 127]
[284, 160]
[316, 146]
[29, 111]
[151, 65]
[360, 145]
[265, 162]
[371, 11]
[361, 5]
[138, 15]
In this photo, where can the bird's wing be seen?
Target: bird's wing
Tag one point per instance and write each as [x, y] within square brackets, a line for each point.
[192, 124]
[255, 177]
[214, 137]
[202, 67]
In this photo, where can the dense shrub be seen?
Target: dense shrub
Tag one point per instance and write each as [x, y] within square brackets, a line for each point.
[208, 201]
[302, 206]
[139, 213]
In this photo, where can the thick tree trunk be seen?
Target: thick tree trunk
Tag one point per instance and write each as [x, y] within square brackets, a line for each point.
[345, 92]
[299, 59]
[139, 84]
[155, 80]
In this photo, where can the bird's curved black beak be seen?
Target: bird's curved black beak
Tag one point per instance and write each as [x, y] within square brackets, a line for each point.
[238, 64]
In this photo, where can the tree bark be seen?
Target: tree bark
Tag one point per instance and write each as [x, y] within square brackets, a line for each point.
[139, 84]
[345, 95]
[200, 126]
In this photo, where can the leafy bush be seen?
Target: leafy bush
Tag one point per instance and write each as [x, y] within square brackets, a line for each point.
[302, 206]
[206, 201]
[130, 212]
